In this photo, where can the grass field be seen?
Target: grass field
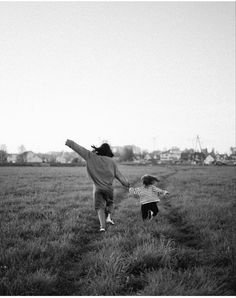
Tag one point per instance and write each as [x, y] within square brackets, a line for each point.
[50, 244]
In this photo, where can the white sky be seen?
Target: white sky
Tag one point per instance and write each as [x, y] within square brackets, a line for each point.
[126, 72]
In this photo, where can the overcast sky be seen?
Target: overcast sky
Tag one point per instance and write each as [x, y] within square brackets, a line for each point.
[152, 74]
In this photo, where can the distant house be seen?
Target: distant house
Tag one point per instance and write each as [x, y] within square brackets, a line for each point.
[30, 156]
[209, 160]
[60, 159]
[156, 155]
[12, 158]
[221, 157]
[198, 158]
[233, 157]
[147, 157]
[176, 153]
[172, 155]
[165, 156]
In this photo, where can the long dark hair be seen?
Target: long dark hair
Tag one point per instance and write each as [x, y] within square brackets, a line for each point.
[103, 150]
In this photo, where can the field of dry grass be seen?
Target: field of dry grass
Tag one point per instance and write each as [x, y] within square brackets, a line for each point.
[50, 244]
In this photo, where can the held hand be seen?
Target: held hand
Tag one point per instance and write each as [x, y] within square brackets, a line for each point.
[166, 192]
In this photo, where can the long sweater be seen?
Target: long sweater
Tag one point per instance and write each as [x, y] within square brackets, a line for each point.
[102, 169]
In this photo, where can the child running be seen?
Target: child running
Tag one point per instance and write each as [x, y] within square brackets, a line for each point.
[102, 169]
[149, 195]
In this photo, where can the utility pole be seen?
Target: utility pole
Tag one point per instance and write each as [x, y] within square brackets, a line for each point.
[198, 155]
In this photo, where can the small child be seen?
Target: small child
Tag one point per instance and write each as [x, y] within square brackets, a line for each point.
[149, 196]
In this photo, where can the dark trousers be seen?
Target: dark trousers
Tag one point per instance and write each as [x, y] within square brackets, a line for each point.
[146, 208]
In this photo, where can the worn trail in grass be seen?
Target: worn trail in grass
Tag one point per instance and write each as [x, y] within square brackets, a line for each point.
[70, 279]
[202, 225]
[184, 232]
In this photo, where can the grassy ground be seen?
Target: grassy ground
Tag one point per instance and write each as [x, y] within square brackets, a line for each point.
[50, 244]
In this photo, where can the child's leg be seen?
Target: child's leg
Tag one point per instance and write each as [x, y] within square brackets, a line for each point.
[149, 210]
[100, 205]
[144, 211]
[154, 208]
[106, 212]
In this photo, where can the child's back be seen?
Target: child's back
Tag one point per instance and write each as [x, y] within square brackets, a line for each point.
[147, 194]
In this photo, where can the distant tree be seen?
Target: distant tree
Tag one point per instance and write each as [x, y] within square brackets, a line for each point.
[3, 156]
[3, 147]
[127, 154]
[144, 153]
[191, 150]
[21, 149]
[116, 153]
[77, 161]
[205, 152]
[44, 156]
[20, 158]
[69, 156]
[233, 150]
[3, 153]
[52, 158]
[186, 156]
[213, 152]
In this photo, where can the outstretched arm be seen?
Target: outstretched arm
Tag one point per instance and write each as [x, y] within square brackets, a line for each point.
[84, 153]
[121, 178]
[159, 191]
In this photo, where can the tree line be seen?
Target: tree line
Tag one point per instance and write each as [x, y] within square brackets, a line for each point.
[126, 153]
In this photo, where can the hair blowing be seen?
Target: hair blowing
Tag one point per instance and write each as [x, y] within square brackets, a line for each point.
[103, 150]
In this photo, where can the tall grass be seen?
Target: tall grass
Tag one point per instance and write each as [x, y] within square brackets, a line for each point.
[50, 244]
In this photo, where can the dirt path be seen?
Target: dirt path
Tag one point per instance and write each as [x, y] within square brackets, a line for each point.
[190, 236]
[185, 233]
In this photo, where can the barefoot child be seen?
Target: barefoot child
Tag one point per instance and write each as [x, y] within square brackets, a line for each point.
[102, 169]
[149, 195]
